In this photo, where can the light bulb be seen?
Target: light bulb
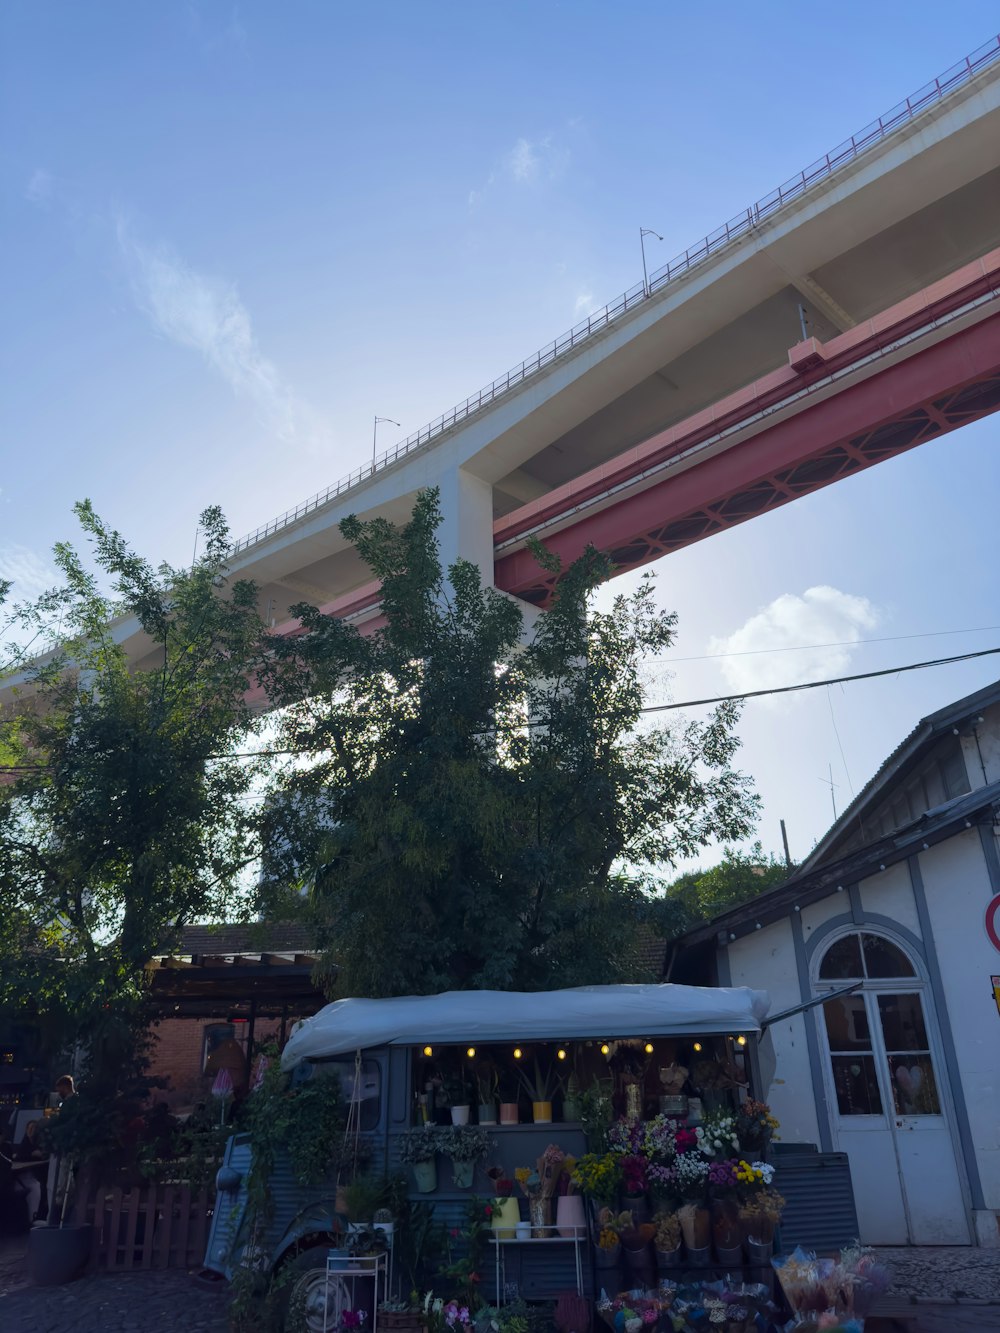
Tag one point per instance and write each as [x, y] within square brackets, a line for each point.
[517, 1052]
[471, 1052]
[605, 1048]
[428, 1050]
[697, 1046]
[741, 1040]
[648, 1048]
[560, 1054]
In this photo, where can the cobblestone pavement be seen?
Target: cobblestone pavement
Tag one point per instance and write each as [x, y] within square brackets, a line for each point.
[948, 1290]
[164, 1302]
[945, 1274]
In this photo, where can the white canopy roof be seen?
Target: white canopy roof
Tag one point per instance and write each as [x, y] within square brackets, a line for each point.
[561, 1015]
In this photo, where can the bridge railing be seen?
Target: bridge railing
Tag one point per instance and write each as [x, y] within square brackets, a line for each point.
[736, 227]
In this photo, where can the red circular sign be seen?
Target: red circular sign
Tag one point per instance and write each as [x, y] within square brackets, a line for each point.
[993, 922]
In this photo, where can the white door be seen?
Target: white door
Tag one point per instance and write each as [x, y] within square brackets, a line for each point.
[887, 1110]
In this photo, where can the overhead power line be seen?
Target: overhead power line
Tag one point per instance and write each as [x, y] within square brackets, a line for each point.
[841, 643]
[650, 708]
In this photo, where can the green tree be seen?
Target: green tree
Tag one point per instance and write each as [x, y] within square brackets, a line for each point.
[700, 895]
[470, 801]
[118, 820]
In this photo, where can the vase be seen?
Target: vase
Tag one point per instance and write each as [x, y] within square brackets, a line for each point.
[638, 1206]
[508, 1113]
[570, 1218]
[541, 1113]
[426, 1176]
[540, 1215]
[460, 1115]
[759, 1251]
[607, 1258]
[462, 1174]
[668, 1258]
[487, 1113]
[506, 1215]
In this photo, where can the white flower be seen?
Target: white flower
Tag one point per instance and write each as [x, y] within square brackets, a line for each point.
[766, 1170]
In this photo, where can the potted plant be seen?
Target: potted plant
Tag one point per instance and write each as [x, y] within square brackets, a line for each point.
[487, 1087]
[506, 1208]
[456, 1086]
[539, 1085]
[362, 1197]
[507, 1091]
[465, 1145]
[572, 1106]
[418, 1148]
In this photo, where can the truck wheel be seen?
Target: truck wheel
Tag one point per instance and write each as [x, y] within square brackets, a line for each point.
[305, 1298]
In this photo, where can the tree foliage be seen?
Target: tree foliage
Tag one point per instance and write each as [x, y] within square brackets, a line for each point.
[118, 821]
[700, 895]
[463, 805]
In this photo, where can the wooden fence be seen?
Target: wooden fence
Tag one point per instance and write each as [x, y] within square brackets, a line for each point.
[157, 1226]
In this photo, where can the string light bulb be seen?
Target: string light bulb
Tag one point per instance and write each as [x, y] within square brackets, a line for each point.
[428, 1050]
[560, 1054]
[517, 1052]
[605, 1048]
[741, 1040]
[471, 1052]
[697, 1046]
[648, 1048]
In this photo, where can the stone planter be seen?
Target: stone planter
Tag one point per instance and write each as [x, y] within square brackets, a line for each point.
[57, 1254]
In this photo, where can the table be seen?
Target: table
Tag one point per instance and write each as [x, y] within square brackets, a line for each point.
[343, 1268]
[578, 1240]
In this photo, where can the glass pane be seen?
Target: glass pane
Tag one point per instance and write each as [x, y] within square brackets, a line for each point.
[847, 1024]
[842, 960]
[885, 959]
[914, 1090]
[857, 1085]
[903, 1023]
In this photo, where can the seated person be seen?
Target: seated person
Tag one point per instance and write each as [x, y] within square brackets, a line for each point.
[29, 1180]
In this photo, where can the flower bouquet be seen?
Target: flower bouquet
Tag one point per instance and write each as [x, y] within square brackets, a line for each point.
[668, 1239]
[755, 1126]
[539, 1185]
[831, 1294]
[759, 1215]
[599, 1175]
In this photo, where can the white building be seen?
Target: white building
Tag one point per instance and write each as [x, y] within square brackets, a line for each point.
[901, 1072]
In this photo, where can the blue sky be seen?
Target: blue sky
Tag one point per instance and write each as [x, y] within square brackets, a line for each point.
[234, 233]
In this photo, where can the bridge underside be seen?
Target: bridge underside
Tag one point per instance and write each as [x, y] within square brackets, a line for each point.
[933, 392]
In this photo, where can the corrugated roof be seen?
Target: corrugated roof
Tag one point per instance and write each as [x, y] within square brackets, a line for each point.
[927, 730]
[223, 939]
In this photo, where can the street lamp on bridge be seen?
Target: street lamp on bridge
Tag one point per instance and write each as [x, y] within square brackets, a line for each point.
[643, 233]
[378, 421]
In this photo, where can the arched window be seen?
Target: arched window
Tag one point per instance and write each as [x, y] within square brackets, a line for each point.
[880, 1056]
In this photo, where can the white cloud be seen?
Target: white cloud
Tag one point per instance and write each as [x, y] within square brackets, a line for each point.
[28, 572]
[524, 160]
[834, 621]
[584, 303]
[205, 314]
[38, 191]
[529, 162]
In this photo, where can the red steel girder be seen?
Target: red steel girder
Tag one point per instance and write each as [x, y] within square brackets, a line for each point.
[932, 392]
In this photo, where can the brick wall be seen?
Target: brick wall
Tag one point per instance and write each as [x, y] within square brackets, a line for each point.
[177, 1056]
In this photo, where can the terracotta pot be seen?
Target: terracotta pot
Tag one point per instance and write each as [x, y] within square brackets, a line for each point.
[541, 1113]
[508, 1113]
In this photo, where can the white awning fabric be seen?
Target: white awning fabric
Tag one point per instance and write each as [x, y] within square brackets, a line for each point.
[561, 1015]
